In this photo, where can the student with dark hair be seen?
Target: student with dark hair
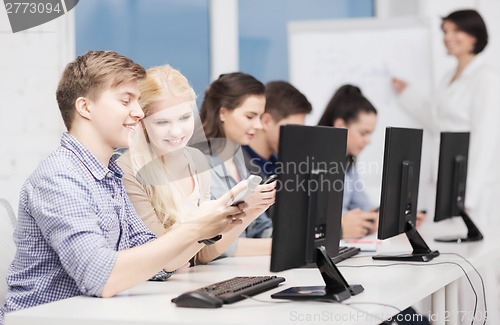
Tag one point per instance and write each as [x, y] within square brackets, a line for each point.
[467, 99]
[285, 104]
[230, 114]
[349, 109]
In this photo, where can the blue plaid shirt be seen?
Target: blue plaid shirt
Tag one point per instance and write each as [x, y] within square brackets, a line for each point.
[74, 216]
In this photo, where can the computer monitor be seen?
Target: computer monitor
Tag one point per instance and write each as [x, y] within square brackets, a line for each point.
[452, 177]
[399, 195]
[308, 208]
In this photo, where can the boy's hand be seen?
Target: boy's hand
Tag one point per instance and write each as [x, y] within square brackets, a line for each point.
[216, 216]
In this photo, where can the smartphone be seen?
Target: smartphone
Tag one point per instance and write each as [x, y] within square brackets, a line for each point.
[270, 179]
[253, 181]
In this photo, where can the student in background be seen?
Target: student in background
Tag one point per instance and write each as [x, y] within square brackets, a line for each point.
[230, 114]
[77, 233]
[349, 109]
[167, 182]
[468, 99]
[285, 104]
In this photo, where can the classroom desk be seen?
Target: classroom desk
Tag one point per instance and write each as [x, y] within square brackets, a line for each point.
[387, 289]
[481, 254]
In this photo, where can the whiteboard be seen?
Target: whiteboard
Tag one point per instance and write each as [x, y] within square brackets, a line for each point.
[324, 55]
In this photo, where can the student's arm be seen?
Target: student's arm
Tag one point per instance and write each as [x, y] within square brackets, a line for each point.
[358, 198]
[416, 104]
[138, 264]
[357, 219]
[144, 208]
[173, 249]
[75, 227]
[260, 201]
[81, 228]
[253, 247]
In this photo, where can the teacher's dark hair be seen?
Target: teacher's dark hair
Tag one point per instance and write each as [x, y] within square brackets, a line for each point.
[470, 21]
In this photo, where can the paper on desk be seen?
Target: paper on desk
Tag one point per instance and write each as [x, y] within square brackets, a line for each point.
[366, 244]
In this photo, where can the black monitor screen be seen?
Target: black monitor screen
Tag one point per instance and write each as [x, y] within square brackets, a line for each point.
[400, 179]
[451, 184]
[399, 195]
[308, 208]
[452, 174]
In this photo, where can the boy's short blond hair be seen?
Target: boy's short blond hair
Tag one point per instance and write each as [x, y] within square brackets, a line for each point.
[90, 75]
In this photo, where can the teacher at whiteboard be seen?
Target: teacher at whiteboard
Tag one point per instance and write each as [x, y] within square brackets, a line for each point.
[467, 100]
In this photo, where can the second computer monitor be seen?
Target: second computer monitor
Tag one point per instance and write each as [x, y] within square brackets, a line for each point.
[308, 208]
[451, 184]
[399, 195]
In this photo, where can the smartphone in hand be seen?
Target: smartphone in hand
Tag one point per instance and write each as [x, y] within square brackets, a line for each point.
[253, 181]
[270, 179]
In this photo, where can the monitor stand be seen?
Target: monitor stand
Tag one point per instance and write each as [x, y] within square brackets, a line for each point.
[473, 233]
[336, 289]
[421, 251]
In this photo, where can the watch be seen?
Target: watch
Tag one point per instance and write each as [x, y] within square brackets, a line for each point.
[210, 241]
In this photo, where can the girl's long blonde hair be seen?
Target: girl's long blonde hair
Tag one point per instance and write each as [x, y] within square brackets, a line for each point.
[161, 83]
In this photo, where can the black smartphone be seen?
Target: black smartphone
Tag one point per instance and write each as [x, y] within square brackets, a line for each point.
[270, 179]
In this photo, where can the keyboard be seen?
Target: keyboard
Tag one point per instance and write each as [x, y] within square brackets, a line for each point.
[345, 252]
[227, 291]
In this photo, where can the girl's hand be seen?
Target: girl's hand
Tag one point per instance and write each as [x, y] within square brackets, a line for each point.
[262, 197]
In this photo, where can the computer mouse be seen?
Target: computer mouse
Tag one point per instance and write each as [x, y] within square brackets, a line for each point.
[197, 299]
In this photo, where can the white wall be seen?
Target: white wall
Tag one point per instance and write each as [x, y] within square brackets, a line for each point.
[30, 64]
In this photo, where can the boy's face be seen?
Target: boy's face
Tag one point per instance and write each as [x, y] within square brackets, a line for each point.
[272, 128]
[168, 127]
[116, 113]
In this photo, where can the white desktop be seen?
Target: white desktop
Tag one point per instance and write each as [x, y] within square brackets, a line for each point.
[387, 290]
